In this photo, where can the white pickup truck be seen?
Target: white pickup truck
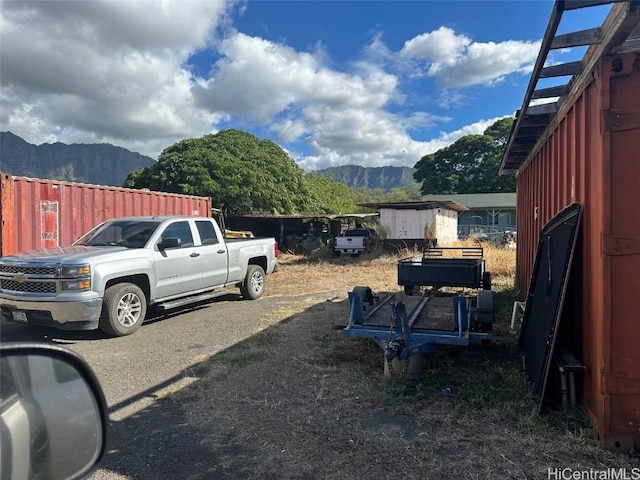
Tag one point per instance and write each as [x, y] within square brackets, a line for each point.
[353, 241]
[110, 276]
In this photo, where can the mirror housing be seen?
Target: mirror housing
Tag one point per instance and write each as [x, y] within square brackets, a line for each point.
[53, 414]
[171, 242]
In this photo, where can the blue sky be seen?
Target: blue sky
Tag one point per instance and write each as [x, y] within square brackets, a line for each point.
[370, 83]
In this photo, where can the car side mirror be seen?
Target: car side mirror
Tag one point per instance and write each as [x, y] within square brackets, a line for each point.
[171, 242]
[53, 414]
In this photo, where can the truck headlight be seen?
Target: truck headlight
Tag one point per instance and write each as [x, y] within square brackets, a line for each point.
[76, 285]
[72, 271]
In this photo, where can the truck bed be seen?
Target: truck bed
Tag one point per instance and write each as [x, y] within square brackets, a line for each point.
[243, 240]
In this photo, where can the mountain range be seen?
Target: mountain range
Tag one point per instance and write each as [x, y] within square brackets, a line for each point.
[97, 163]
[385, 178]
[105, 164]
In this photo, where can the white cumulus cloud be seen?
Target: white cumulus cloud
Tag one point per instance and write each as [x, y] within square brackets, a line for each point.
[261, 79]
[457, 61]
[103, 71]
[131, 73]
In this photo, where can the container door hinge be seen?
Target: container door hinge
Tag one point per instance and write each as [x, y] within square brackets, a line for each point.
[619, 120]
[612, 245]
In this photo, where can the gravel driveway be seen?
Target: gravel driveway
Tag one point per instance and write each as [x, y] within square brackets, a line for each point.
[162, 357]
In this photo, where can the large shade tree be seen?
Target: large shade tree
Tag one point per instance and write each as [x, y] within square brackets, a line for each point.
[328, 196]
[241, 173]
[469, 165]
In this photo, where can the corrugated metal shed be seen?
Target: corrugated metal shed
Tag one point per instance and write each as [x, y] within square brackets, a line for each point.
[403, 224]
[290, 229]
[583, 148]
[425, 205]
[415, 223]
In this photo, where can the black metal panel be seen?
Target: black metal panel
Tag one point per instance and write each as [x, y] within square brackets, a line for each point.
[441, 272]
[547, 288]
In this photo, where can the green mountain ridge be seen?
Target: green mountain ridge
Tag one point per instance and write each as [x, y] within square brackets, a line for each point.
[98, 163]
[106, 164]
[385, 178]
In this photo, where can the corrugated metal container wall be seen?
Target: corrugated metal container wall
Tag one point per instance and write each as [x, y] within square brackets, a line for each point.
[37, 213]
[591, 157]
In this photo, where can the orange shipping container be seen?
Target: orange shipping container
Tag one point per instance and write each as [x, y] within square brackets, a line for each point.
[37, 213]
[584, 148]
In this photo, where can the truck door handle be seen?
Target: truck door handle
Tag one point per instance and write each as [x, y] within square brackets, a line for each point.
[221, 251]
[195, 254]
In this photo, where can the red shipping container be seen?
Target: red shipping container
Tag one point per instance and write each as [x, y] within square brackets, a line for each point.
[37, 213]
[587, 153]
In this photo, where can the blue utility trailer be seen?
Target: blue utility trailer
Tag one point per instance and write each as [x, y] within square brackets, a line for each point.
[406, 326]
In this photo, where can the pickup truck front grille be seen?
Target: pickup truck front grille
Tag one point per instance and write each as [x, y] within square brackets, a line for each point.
[12, 269]
[27, 287]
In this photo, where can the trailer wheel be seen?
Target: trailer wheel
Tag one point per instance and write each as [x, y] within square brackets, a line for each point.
[486, 281]
[486, 312]
[253, 286]
[365, 294]
[123, 309]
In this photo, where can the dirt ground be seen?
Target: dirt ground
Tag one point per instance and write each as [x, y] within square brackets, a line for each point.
[300, 401]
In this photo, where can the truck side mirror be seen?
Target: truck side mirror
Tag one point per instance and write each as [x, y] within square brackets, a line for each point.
[171, 242]
[53, 414]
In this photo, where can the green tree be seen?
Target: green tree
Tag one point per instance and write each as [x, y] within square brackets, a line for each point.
[469, 165]
[241, 173]
[367, 195]
[408, 193]
[328, 196]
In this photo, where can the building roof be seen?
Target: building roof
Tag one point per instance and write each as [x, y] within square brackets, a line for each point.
[619, 33]
[423, 205]
[478, 200]
[300, 216]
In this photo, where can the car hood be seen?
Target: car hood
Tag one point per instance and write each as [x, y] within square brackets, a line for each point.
[59, 255]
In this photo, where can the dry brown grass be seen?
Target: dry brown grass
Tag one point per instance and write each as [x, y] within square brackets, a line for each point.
[501, 261]
[298, 400]
[320, 271]
[336, 276]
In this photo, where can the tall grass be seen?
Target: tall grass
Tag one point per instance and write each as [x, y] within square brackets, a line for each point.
[500, 261]
[319, 270]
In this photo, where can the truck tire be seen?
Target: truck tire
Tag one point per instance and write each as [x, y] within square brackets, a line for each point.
[123, 309]
[253, 286]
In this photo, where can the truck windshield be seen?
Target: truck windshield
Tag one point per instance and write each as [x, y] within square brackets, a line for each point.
[122, 233]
